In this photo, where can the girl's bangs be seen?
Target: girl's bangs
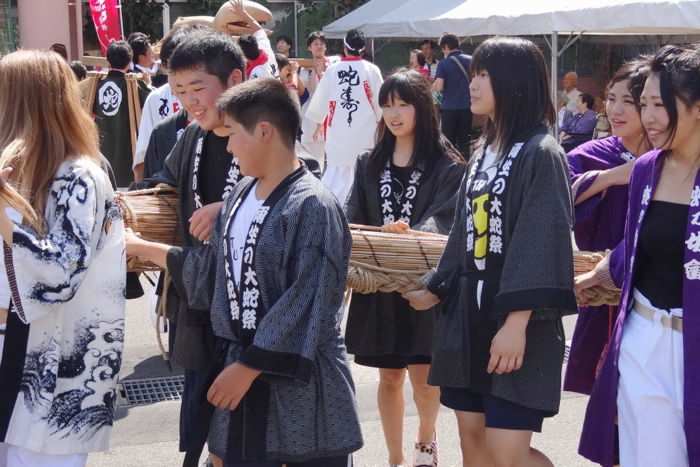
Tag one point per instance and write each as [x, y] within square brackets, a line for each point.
[396, 85]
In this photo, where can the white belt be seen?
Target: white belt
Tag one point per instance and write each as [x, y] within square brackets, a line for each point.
[667, 320]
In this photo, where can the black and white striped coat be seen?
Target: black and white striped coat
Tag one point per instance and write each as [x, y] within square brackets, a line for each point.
[303, 405]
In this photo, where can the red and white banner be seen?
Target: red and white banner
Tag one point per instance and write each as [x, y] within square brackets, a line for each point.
[107, 19]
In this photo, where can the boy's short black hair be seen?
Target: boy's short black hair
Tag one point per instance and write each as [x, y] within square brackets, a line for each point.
[264, 99]
[286, 39]
[355, 42]
[282, 61]
[60, 49]
[249, 46]
[139, 43]
[119, 54]
[78, 69]
[316, 35]
[174, 38]
[217, 53]
[588, 100]
[430, 42]
[449, 40]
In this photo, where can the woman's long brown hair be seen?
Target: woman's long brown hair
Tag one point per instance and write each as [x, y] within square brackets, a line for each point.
[43, 124]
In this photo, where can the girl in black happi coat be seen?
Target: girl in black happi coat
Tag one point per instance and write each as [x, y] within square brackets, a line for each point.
[409, 181]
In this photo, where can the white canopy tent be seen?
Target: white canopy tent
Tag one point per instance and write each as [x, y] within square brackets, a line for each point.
[432, 18]
[360, 17]
[420, 18]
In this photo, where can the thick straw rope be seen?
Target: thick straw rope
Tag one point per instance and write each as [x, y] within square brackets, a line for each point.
[151, 213]
[380, 261]
[383, 262]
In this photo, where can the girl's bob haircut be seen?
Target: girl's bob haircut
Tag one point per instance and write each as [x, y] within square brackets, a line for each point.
[520, 84]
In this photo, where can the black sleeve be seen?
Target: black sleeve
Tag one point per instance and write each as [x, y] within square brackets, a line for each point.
[538, 268]
[439, 281]
[440, 215]
[356, 204]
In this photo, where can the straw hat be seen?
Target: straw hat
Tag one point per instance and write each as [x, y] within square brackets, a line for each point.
[228, 22]
[184, 21]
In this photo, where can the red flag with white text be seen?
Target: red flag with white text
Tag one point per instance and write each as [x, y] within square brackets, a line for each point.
[107, 19]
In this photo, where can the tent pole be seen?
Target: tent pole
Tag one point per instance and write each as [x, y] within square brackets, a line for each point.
[372, 45]
[554, 48]
[166, 18]
[296, 30]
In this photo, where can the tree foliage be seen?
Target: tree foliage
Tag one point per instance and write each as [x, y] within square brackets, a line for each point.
[146, 15]
[142, 16]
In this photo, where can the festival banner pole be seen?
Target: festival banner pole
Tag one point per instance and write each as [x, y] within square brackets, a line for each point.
[121, 19]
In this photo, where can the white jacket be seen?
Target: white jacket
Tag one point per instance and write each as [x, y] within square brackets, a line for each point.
[347, 102]
[160, 104]
[66, 318]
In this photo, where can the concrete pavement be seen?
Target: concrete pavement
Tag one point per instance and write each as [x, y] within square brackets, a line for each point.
[146, 436]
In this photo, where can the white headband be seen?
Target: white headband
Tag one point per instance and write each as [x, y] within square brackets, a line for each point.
[347, 46]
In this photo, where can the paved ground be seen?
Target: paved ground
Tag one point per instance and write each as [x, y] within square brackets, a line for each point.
[146, 436]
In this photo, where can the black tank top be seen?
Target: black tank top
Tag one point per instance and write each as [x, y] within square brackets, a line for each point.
[660, 252]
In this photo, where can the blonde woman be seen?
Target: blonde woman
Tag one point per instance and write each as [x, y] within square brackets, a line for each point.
[66, 267]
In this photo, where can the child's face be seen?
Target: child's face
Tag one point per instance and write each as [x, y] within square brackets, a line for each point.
[657, 121]
[399, 117]
[198, 92]
[287, 75]
[149, 59]
[581, 106]
[622, 112]
[246, 146]
[483, 102]
[317, 48]
[283, 47]
[654, 114]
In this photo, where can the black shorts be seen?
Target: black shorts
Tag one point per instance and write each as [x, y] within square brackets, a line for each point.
[499, 413]
[392, 362]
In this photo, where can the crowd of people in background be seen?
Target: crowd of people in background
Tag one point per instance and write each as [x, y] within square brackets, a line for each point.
[271, 160]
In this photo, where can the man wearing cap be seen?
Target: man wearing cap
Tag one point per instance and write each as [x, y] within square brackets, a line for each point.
[346, 109]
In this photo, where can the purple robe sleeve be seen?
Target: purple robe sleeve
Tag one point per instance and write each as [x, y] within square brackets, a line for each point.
[581, 180]
[617, 264]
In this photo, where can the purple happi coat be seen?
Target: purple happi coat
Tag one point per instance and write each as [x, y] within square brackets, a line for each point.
[598, 440]
[599, 226]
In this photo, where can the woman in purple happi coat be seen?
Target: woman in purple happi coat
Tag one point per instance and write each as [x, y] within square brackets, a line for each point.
[600, 171]
[650, 379]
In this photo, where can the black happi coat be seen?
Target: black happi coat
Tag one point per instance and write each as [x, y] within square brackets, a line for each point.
[111, 111]
[529, 266]
[383, 323]
[283, 318]
[194, 346]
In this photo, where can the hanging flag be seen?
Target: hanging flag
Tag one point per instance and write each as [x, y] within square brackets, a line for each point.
[106, 16]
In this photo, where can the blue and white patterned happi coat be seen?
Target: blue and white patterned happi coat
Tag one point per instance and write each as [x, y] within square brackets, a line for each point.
[70, 292]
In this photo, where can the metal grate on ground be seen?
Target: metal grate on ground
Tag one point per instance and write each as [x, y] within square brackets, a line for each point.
[150, 390]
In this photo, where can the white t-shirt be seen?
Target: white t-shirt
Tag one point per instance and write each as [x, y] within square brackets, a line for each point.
[239, 230]
[479, 196]
[269, 68]
[571, 104]
[160, 104]
[311, 79]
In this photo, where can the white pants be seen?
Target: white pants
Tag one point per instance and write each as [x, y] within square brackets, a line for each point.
[650, 392]
[14, 456]
[339, 180]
